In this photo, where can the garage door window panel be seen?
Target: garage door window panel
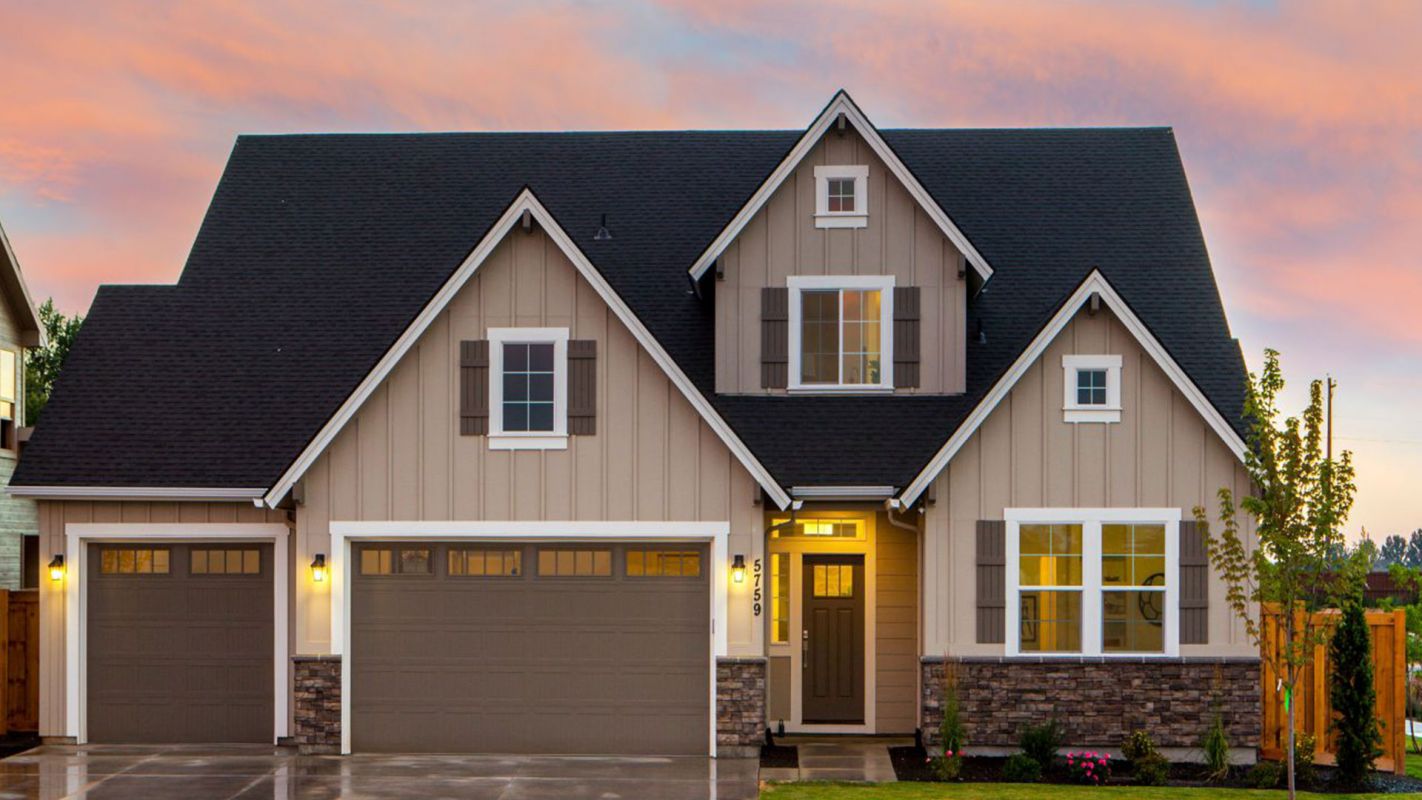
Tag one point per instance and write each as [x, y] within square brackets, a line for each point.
[663, 563]
[134, 561]
[485, 563]
[396, 561]
[561, 563]
[205, 561]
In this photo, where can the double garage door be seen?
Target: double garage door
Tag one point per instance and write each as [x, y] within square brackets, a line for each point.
[524, 648]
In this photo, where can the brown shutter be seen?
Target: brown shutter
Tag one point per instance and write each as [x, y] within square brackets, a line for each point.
[992, 581]
[582, 387]
[906, 337]
[1194, 585]
[774, 337]
[474, 388]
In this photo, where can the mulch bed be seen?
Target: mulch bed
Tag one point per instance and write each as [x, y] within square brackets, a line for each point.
[774, 756]
[911, 764]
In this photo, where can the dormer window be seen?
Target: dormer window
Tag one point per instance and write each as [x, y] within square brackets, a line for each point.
[841, 196]
[1092, 388]
[841, 332]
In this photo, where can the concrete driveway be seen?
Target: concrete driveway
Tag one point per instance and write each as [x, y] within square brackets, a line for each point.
[115, 772]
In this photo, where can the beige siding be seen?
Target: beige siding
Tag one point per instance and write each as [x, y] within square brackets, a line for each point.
[1161, 454]
[54, 515]
[402, 458]
[17, 514]
[896, 628]
[782, 240]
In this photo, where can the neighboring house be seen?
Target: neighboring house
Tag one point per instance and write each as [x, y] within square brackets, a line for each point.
[645, 442]
[20, 328]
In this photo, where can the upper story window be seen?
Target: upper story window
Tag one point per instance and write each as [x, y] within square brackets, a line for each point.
[842, 196]
[528, 388]
[841, 332]
[1095, 582]
[9, 399]
[1092, 388]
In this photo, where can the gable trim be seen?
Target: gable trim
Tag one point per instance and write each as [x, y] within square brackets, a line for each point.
[19, 293]
[1095, 283]
[841, 103]
[525, 202]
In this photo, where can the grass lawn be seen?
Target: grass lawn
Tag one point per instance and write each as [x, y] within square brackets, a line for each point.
[1017, 791]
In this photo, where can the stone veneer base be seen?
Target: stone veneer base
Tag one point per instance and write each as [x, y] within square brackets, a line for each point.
[740, 706]
[1097, 701]
[317, 708]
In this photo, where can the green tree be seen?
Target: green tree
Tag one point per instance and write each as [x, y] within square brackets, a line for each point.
[1298, 503]
[1394, 550]
[42, 364]
[1353, 695]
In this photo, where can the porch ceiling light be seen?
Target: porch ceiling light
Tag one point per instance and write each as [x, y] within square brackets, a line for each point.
[56, 568]
[738, 568]
[318, 568]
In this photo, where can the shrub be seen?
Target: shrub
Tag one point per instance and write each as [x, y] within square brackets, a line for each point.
[1266, 775]
[1041, 742]
[949, 765]
[1089, 767]
[1021, 768]
[1216, 749]
[1304, 745]
[1353, 696]
[1138, 745]
[1152, 769]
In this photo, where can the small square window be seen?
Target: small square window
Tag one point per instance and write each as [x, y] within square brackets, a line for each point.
[1091, 387]
[841, 195]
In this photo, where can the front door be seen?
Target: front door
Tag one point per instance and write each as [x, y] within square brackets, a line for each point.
[832, 640]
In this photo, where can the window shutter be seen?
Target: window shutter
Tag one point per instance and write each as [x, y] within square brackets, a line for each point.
[582, 387]
[474, 388]
[1194, 585]
[774, 337]
[992, 581]
[906, 337]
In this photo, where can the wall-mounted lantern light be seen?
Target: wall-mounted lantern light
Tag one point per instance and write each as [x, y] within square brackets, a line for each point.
[318, 567]
[738, 568]
[56, 568]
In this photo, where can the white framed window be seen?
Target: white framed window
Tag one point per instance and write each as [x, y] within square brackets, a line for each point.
[1092, 388]
[1093, 582]
[528, 388]
[842, 196]
[841, 333]
[10, 365]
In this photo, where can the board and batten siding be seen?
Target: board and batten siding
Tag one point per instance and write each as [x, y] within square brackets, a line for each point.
[402, 458]
[781, 240]
[1161, 454]
[896, 628]
[54, 515]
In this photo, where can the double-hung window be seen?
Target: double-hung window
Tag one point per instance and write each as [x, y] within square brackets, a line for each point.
[841, 332]
[528, 388]
[1093, 582]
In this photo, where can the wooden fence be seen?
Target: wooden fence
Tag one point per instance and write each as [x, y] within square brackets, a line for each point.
[1312, 709]
[19, 667]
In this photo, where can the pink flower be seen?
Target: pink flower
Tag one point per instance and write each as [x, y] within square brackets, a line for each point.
[947, 753]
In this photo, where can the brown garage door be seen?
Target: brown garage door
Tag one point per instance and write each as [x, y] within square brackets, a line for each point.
[530, 649]
[179, 643]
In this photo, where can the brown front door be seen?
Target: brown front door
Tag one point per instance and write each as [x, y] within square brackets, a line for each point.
[832, 641]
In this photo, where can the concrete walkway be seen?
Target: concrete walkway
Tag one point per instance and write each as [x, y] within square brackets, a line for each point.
[97, 772]
[839, 758]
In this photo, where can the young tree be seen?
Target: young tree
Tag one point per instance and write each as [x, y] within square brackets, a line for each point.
[1393, 551]
[1299, 502]
[1353, 696]
[42, 364]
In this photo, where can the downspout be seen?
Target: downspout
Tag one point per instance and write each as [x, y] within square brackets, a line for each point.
[892, 505]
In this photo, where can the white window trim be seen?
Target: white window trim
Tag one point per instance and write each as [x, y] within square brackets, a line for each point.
[500, 439]
[1091, 520]
[1076, 412]
[885, 284]
[859, 217]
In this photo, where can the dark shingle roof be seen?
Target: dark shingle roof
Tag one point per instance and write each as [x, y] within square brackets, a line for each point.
[317, 251]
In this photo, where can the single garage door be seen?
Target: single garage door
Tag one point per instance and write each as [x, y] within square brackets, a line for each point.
[513, 648]
[179, 643]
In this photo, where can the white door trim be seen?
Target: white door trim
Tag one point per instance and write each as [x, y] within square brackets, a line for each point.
[77, 537]
[344, 532]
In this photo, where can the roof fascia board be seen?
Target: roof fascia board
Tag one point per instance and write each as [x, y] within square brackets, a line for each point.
[184, 493]
[30, 314]
[1095, 283]
[841, 103]
[841, 492]
[525, 201]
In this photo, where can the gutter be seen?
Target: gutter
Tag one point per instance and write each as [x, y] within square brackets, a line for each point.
[177, 493]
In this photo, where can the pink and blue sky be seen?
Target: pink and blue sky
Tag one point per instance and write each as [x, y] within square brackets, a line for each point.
[1300, 125]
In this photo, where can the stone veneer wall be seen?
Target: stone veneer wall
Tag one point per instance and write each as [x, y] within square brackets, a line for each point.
[740, 706]
[1098, 701]
[318, 704]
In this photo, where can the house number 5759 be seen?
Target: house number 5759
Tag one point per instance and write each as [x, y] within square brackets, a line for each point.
[756, 592]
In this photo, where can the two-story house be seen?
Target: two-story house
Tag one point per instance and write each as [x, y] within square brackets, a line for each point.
[20, 328]
[646, 442]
